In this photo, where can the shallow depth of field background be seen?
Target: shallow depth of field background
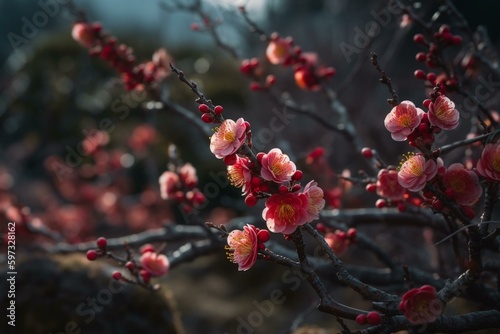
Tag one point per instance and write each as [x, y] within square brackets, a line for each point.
[51, 91]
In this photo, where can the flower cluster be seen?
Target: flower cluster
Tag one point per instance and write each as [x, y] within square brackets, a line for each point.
[180, 184]
[421, 305]
[121, 57]
[339, 241]
[269, 175]
[433, 57]
[150, 264]
[405, 121]
[308, 73]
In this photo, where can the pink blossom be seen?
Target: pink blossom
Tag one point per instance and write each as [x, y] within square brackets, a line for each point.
[228, 138]
[388, 185]
[315, 199]
[464, 184]
[277, 167]
[442, 113]
[169, 183]
[421, 305]
[278, 51]
[154, 263]
[161, 60]
[338, 242]
[83, 34]
[489, 164]
[243, 247]
[402, 120]
[284, 213]
[188, 175]
[239, 174]
[416, 171]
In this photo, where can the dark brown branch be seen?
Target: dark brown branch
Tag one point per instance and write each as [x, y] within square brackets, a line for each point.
[210, 25]
[344, 276]
[385, 80]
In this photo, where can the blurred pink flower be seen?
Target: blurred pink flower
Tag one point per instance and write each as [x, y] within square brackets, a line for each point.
[277, 167]
[489, 164]
[239, 174]
[228, 138]
[169, 183]
[442, 113]
[83, 34]
[388, 185]
[421, 305]
[142, 136]
[188, 175]
[161, 60]
[278, 51]
[284, 213]
[315, 199]
[243, 247]
[402, 120]
[464, 184]
[154, 263]
[416, 171]
[338, 242]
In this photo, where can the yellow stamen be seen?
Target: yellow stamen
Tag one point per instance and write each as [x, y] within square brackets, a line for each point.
[405, 120]
[286, 212]
[495, 163]
[277, 169]
[229, 136]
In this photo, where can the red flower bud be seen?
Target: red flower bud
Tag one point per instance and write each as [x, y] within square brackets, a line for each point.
[203, 108]
[102, 243]
[92, 255]
[117, 275]
[218, 110]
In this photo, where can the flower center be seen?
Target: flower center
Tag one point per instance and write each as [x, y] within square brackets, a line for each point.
[286, 212]
[495, 163]
[229, 136]
[242, 245]
[405, 120]
[414, 168]
[236, 177]
[277, 169]
[458, 185]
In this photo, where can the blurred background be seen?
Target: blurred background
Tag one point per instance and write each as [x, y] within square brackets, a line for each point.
[54, 97]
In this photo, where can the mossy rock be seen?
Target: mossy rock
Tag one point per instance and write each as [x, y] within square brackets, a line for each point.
[70, 295]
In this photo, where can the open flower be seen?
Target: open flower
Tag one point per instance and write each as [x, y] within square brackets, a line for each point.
[402, 120]
[229, 138]
[416, 171]
[243, 247]
[315, 199]
[489, 164]
[154, 263]
[388, 185]
[169, 183]
[464, 184]
[278, 51]
[239, 174]
[277, 167]
[421, 305]
[442, 113]
[284, 213]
